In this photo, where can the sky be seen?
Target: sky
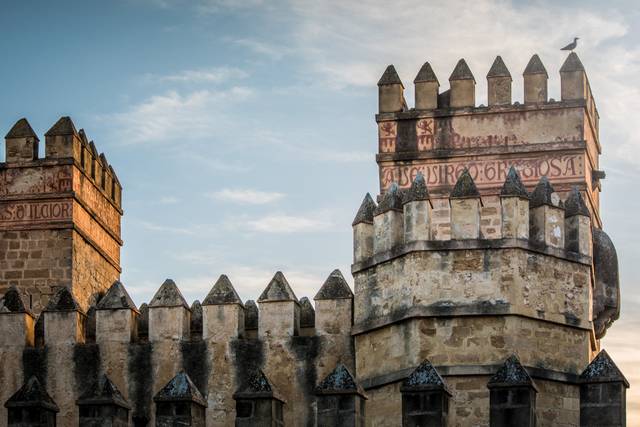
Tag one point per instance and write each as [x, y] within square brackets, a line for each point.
[243, 131]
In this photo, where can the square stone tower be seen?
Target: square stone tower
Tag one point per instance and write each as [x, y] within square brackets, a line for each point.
[59, 216]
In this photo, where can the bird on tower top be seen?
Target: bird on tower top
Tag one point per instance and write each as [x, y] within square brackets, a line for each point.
[572, 45]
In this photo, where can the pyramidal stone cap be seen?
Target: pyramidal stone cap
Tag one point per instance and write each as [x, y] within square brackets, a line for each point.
[307, 313]
[168, 296]
[116, 298]
[426, 74]
[12, 302]
[418, 190]
[64, 126]
[94, 150]
[339, 381]
[462, 72]
[180, 389]
[103, 392]
[535, 66]
[542, 194]
[391, 201]
[257, 385]
[424, 377]
[510, 374]
[278, 290]
[513, 186]
[335, 287]
[21, 129]
[251, 315]
[222, 292]
[83, 136]
[602, 369]
[465, 187]
[62, 300]
[365, 212]
[498, 69]
[571, 64]
[390, 77]
[574, 205]
[32, 394]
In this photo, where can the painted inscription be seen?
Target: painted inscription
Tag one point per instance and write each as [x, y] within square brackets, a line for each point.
[387, 133]
[425, 132]
[486, 172]
[35, 180]
[35, 212]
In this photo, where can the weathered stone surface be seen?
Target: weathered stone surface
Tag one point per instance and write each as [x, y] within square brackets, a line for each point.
[603, 369]
[32, 394]
[465, 186]
[365, 212]
[513, 186]
[307, 314]
[335, 287]
[278, 289]
[461, 72]
[498, 69]
[180, 389]
[251, 315]
[391, 200]
[12, 302]
[423, 377]
[168, 296]
[535, 66]
[511, 374]
[606, 294]
[425, 74]
[418, 190]
[102, 393]
[389, 77]
[116, 298]
[21, 129]
[222, 292]
[571, 64]
[62, 301]
[574, 204]
[340, 380]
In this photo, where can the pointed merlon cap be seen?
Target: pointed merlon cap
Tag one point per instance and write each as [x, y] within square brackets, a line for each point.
[365, 213]
[12, 302]
[103, 160]
[574, 205]
[390, 77]
[335, 287]
[94, 150]
[424, 377]
[391, 201]
[168, 296]
[511, 374]
[83, 136]
[498, 69]
[278, 290]
[113, 174]
[32, 394]
[418, 190]
[462, 72]
[64, 126]
[180, 389]
[542, 194]
[339, 381]
[307, 313]
[104, 392]
[603, 370]
[257, 386]
[571, 64]
[196, 317]
[251, 314]
[426, 74]
[222, 292]
[513, 186]
[465, 187]
[62, 300]
[22, 129]
[535, 66]
[116, 298]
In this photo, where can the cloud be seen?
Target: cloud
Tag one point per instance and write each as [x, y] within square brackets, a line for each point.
[271, 50]
[150, 226]
[284, 224]
[246, 196]
[210, 75]
[168, 200]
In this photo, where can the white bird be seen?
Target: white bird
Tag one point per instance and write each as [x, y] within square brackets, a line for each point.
[571, 45]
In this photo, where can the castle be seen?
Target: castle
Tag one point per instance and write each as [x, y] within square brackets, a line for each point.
[483, 284]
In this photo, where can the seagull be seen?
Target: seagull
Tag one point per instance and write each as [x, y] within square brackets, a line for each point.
[571, 45]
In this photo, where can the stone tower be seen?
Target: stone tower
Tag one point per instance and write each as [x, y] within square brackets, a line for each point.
[59, 216]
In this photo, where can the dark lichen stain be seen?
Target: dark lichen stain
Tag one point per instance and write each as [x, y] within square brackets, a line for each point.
[306, 350]
[140, 384]
[34, 362]
[86, 365]
[248, 358]
[194, 362]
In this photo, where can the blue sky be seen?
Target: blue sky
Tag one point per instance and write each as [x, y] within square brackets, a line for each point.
[243, 131]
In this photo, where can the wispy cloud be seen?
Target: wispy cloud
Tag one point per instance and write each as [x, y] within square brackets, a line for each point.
[151, 226]
[168, 200]
[280, 223]
[208, 75]
[269, 49]
[246, 196]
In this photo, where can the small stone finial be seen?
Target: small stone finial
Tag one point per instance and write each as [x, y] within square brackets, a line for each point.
[498, 69]
[278, 289]
[340, 380]
[222, 292]
[510, 374]
[575, 205]
[251, 315]
[21, 129]
[571, 64]
[196, 319]
[307, 313]
[602, 369]
[391, 200]
[12, 302]
[418, 190]
[31, 394]
[535, 66]
[424, 377]
[426, 74]
[335, 287]
[104, 392]
[168, 296]
[116, 298]
[465, 187]
[365, 212]
[64, 126]
[462, 72]
[513, 186]
[543, 194]
[143, 321]
[62, 300]
[390, 77]
[180, 388]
